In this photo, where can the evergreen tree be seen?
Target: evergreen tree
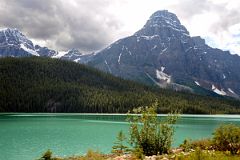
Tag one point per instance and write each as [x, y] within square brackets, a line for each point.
[119, 147]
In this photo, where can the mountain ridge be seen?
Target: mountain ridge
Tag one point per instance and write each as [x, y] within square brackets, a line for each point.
[14, 43]
[161, 53]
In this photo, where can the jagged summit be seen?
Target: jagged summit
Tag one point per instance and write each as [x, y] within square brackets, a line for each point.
[165, 14]
[75, 51]
[14, 37]
[13, 40]
[163, 23]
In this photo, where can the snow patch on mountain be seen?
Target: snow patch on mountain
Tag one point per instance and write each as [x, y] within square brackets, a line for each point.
[109, 69]
[224, 77]
[154, 47]
[60, 54]
[163, 76]
[216, 90]
[164, 50]
[230, 90]
[33, 52]
[197, 83]
[5, 36]
[76, 60]
[120, 55]
[162, 68]
[130, 53]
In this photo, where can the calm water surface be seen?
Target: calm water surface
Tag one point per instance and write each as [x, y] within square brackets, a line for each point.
[27, 136]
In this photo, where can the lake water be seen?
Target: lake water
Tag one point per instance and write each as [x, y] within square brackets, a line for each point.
[27, 136]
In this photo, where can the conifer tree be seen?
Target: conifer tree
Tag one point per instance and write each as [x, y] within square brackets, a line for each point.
[119, 148]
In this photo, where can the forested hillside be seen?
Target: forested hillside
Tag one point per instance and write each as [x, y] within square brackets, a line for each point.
[36, 84]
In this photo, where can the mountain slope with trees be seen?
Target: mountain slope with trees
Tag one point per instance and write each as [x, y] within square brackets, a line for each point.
[163, 53]
[37, 84]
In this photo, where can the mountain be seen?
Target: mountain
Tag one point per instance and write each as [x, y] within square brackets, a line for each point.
[163, 53]
[41, 84]
[15, 44]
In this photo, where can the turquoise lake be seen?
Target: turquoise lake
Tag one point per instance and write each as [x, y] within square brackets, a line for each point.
[27, 136]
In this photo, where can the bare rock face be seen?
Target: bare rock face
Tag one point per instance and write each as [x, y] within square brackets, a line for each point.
[163, 53]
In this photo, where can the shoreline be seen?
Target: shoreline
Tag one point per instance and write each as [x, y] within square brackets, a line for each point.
[116, 114]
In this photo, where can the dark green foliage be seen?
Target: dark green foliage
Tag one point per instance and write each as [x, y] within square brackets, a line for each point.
[36, 84]
[227, 138]
[149, 134]
[119, 147]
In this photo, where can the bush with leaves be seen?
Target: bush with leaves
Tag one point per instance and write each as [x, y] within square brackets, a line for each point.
[148, 133]
[227, 138]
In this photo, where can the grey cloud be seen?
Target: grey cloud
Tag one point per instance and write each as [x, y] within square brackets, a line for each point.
[187, 9]
[82, 24]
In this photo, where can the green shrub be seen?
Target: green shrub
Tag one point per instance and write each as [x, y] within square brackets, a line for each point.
[227, 138]
[150, 134]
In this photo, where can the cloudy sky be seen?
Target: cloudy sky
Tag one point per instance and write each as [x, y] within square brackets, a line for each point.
[90, 25]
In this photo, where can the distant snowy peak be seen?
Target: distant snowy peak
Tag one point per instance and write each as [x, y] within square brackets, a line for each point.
[161, 22]
[13, 38]
[69, 53]
[15, 44]
[73, 55]
[74, 52]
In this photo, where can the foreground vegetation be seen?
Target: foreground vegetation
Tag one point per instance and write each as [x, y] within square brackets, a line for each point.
[151, 139]
[36, 84]
[195, 155]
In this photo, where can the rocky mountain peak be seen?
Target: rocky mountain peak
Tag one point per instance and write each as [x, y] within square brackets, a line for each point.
[163, 24]
[14, 37]
[165, 15]
[74, 51]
